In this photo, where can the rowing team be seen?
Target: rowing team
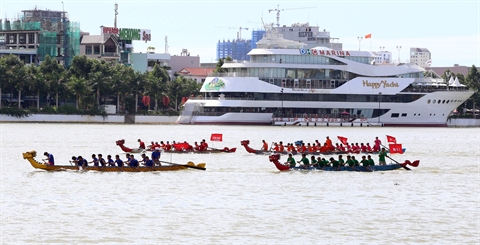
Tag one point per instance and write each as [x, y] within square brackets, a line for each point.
[317, 147]
[175, 146]
[130, 160]
[321, 163]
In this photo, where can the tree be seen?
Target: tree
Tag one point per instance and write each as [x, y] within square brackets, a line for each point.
[182, 87]
[79, 87]
[14, 76]
[55, 75]
[3, 77]
[37, 82]
[220, 63]
[473, 82]
[155, 88]
[119, 80]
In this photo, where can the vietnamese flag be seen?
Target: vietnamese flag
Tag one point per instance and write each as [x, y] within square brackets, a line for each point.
[216, 137]
[391, 139]
[368, 36]
[342, 139]
[395, 148]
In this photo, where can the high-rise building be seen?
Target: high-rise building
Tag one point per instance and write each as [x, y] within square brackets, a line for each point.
[420, 56]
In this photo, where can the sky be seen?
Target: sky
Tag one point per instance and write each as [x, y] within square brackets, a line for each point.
[449, 29]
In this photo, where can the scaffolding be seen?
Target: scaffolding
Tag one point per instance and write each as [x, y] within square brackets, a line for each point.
[57, 36]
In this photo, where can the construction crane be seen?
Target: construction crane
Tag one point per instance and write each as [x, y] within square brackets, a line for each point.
[239, 33]
[278, 12]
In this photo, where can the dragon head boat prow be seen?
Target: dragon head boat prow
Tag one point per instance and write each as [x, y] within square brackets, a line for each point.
[120, 142]
[29, 154]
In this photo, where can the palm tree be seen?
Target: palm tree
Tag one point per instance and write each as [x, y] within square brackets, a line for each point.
[155, 88]
[79, 87]
[55, 75]
[13, 76]
[97, 81]
[37, 82]
[3, 77]
[118, 83]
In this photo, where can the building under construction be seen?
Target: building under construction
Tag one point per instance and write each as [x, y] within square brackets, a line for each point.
[39, 33]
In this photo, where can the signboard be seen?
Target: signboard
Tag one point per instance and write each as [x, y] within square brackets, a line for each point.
[129, 33]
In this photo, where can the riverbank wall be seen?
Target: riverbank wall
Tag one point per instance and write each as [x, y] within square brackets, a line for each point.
[140, 119]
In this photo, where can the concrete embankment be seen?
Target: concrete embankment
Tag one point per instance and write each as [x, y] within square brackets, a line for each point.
[138, 119]
[55, 118]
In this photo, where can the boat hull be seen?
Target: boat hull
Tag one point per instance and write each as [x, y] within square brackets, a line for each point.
[30, 157]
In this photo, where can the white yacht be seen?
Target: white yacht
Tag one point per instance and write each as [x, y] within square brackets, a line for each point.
[286, 84]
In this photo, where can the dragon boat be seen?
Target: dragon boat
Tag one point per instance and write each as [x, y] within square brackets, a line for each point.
[285, 167]
[30, 156]
[245, 143]
[176, 148]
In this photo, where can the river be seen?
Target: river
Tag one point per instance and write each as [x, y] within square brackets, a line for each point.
[241, 198]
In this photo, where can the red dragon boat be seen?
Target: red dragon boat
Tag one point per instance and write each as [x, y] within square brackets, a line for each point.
[264, 152]
[176, 148]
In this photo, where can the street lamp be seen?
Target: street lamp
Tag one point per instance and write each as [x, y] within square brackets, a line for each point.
[359, 41]
[398, 48]
[379, 99]
[447, 74]
[281, 91]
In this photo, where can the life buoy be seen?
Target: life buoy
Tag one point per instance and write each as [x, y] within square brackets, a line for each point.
[296, 118]
[316, 119]
[323, 119]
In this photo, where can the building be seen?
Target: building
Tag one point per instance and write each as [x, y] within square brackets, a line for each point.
[184, 60]
[102, 47]
[300, 32]
[309, 35]
[257, 35]
[197, 74]
[236, 49]
[383, 57]
[39, 33]
[420, 56]
[455, 69]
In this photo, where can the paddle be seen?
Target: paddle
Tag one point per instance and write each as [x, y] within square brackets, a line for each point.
[185, 165]
[405, 167]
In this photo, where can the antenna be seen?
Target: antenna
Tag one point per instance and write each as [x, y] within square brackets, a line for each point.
[166, 44]
[278, 12]
[116, 13]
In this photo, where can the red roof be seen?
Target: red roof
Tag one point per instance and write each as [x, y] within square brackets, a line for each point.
[196, 71]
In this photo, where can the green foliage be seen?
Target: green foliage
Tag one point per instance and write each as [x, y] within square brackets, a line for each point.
[14, 112]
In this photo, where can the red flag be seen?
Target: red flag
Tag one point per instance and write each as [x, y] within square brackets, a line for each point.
[342, 139]
[180, 146]
[368, 36]
[396, 148]
[216, 137]
[391, 139]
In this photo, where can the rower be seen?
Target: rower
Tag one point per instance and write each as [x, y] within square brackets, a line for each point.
[341, 161]
[133, 162]
[156, 156]
[291, 161]
[276, 148]
[370, 161]
[281, 147]
[118, 161]
[50, 159]
[101, 161]
[94, 160]
[381, 157]
[335, 163]
[305, 161]
[363, 147]
[265, 146]
[369, 148]
[142, 144]
[148, 162]
[110, 161]
[350, 161]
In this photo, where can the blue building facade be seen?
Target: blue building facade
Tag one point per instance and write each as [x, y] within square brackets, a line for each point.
[239, 48]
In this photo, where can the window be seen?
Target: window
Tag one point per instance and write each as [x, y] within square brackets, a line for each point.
[96, 49]
[404, 114]
[395, 114]
[88, 49]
